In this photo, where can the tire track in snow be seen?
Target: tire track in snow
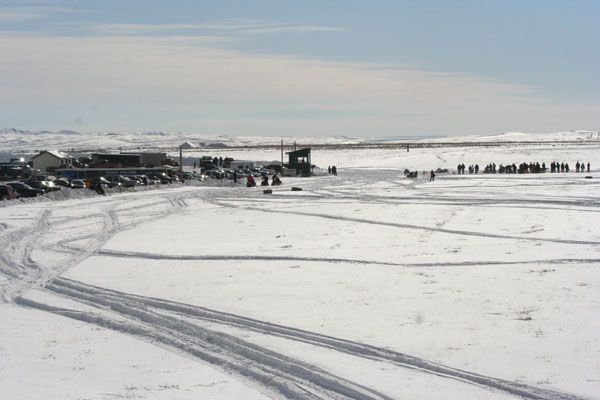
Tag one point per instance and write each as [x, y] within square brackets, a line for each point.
[21, 271]
[16, 262]
[94, 295]
[291, 378]
[154, 256]
[223, 203]
[191, 257]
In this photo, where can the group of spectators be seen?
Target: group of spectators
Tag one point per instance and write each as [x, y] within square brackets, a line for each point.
[556, 167]
[473, 169]
[523, 168]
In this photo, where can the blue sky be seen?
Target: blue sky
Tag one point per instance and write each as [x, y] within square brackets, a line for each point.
[371, 68]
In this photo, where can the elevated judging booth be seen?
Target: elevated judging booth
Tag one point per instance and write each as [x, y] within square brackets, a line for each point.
[300, 161]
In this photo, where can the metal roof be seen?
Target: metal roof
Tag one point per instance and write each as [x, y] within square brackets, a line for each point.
[300, 152]
[55, 153]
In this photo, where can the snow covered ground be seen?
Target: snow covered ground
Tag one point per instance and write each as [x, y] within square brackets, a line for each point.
[367, 285]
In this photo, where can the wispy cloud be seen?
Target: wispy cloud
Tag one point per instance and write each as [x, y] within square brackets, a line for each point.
[26, 13]
[231, 28]
[172, 82]
[18, 15]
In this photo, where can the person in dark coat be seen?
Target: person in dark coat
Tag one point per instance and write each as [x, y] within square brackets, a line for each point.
[329, 170]
[334, 170]
[234, 176]
[250, 182]
[431, 176]
[98, 188]
[265, 181]
[588, 166]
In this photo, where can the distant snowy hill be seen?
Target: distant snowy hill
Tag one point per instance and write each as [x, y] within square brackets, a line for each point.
[29, 141]
[568, 136]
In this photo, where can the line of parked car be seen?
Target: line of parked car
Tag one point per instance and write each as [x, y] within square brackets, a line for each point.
[227, 173]
[40, 184]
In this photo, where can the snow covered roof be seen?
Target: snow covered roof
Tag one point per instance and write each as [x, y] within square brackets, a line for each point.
[55, 153]
[188, 145]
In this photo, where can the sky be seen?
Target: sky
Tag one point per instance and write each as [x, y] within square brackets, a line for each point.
[302, 68]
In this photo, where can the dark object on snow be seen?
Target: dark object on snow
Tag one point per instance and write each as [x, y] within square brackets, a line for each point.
[300, 161]
[412, 174]
[267, 191]
[99, 189]
[296, 189]
[588, 177]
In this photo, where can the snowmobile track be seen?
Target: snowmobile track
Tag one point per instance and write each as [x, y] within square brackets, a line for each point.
[95, 295]
[290, 377]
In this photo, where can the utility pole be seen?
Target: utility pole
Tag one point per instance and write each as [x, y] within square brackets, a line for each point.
[281, 153]
[180, 162]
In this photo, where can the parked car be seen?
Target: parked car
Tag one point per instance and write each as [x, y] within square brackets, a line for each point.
[188, 176]
[131, 181]
[152, 181]
[216, 174]
[24, 190]
[62, 182]
[124, 181]
[143, 179]
[77, 184]
[46, 186]
[105, 182]
[8, 193]
[163, 178]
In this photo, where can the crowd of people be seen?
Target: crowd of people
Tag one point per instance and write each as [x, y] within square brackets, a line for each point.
[522, 168]
[332, 170]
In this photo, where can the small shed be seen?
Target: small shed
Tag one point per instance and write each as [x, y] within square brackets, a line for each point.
[49, 160]
[300, 161]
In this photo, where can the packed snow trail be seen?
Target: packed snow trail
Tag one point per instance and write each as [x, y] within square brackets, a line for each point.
[291, 378]
[216, 257]
[223, 202]
[163, 313]
[49, 234]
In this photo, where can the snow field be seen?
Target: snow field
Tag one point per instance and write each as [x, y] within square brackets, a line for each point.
[367, 285]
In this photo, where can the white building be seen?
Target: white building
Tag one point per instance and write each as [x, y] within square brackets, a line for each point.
[48, 161]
